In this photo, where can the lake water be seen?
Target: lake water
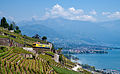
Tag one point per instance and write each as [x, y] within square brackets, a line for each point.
[102, 61]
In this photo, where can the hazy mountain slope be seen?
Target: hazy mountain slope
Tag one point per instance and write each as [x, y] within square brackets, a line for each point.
[30, 29]
[95, 33]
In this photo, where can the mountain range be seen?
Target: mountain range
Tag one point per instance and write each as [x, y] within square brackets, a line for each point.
[72, 31]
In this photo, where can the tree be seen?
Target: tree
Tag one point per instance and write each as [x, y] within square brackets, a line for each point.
[36, 36]
[17, 28]
[3, 20]
[14, 25]
[17, 31]
[44, 38]
[11, 27]
[4, 23]
[61, 59]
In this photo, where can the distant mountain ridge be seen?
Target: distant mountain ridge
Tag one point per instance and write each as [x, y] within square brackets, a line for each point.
[101, 33]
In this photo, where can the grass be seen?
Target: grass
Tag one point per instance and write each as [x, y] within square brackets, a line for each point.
[48, 52]
[64, 71]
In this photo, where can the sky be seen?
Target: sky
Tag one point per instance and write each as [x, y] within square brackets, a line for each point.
[82, 10]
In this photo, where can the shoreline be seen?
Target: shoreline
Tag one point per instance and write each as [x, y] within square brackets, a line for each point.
[106, 70]
[96, 69]
[102, 62]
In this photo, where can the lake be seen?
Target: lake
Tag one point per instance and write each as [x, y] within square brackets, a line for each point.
[102, 61]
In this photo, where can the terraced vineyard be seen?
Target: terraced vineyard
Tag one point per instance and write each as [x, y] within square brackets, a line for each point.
[14, 63]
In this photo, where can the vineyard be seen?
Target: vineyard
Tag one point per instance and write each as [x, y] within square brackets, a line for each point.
[12, 62]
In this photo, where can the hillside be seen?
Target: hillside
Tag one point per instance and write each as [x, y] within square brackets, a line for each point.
[12, 62]
[16, 59]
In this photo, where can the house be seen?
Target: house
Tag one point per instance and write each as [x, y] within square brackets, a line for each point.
[56, 58]
[29, 49]
[11, 30]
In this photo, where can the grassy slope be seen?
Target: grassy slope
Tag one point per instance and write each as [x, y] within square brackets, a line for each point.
[65, 71]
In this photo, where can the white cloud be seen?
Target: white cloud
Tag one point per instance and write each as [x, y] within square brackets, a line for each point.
[58, 10]
[47, 15]
[70, 13]
[74, 11]
[111, 15]
[82, 18]
[106, 13]
[114, 15]
[93, 12]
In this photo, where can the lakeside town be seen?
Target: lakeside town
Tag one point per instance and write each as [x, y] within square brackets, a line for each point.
[84, 51]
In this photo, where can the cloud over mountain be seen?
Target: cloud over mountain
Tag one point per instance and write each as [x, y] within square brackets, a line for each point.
[70, 13]
[112, 15]
[93, 12]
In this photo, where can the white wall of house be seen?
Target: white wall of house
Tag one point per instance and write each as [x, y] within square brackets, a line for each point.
[11, 30]
[50, 45]
[56, 58]
[28, 49]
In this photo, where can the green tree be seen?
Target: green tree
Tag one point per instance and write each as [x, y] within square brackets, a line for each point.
[61, 59]
[44, 38]
[17, 31]
[3, 20]
[14, 25]
[4, 23]
[11, 27]
[17, 28]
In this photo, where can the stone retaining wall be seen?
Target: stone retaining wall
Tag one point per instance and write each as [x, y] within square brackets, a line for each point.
[9, 42]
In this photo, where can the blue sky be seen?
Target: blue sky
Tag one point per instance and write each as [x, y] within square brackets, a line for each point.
[83, 10]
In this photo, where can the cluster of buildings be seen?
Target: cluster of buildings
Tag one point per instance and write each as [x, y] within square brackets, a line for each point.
[84, 51]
